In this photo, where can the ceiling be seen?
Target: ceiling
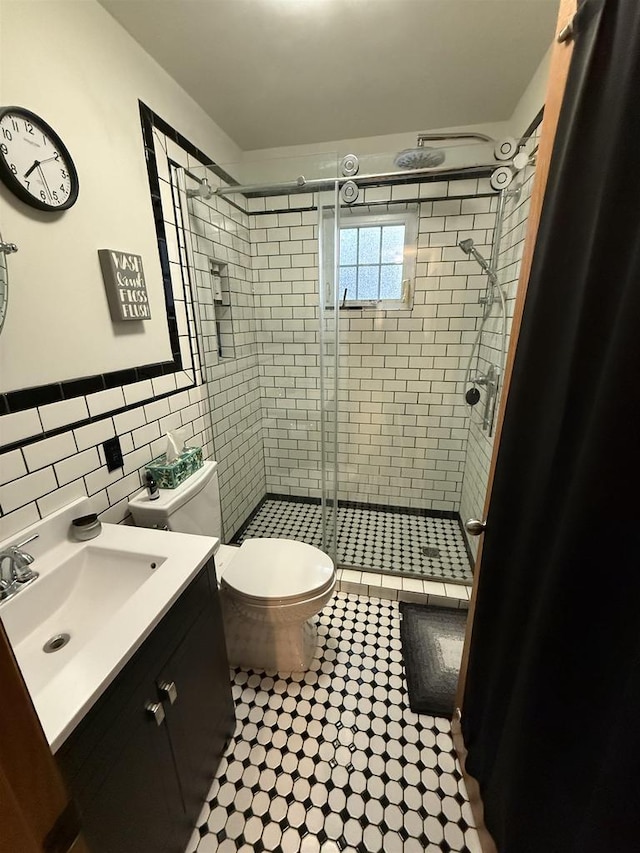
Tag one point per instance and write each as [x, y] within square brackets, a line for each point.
[288, 72]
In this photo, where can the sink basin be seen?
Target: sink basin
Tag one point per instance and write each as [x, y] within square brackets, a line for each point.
[94, 603]
[68, 606]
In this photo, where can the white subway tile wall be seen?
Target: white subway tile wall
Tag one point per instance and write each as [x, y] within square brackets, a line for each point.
[403, 422]
[220, 231]
[480, 443]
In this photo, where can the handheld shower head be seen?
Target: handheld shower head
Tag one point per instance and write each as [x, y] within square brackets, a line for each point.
[469, 249]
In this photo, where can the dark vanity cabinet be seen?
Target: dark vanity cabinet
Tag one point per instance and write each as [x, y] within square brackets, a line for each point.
[141, 762]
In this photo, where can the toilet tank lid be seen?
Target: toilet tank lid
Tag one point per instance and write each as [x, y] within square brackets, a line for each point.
[278, 568]
[172, 499]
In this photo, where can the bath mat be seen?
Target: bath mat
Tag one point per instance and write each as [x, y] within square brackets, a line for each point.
[432, 640]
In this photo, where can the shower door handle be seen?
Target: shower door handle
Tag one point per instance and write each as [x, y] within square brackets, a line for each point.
[474, 526]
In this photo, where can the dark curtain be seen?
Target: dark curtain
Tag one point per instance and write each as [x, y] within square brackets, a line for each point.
[551, 714]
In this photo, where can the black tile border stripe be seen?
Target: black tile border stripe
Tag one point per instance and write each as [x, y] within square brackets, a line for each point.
[185, 272]
[57, 392]
[248, 519]
[50, 433]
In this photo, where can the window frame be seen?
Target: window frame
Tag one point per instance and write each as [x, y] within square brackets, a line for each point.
[408, 218]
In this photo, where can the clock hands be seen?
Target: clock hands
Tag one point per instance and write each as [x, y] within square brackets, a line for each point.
[36, 164]
[44, 181]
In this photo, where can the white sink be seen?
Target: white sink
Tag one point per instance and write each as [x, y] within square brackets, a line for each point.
[71, 604]
[107, 595]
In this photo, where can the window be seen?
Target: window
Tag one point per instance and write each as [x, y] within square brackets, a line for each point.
[377, 260]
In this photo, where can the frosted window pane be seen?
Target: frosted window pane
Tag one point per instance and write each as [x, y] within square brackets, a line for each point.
[368, 282]
[391, 282]
[349, 246]
[348, 280]
[369, 248]
[392, 244]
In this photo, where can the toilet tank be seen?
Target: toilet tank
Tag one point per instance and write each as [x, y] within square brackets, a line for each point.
[194, 507]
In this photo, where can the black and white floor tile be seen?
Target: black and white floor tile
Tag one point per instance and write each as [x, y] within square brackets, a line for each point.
[372, 540]
[333, 760]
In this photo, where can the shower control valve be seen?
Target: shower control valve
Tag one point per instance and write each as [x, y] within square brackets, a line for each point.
[480, 380]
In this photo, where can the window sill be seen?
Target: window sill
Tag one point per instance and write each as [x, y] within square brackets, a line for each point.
[381, 305]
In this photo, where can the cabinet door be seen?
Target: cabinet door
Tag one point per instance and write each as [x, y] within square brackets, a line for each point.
[201, 717]
[137, 807]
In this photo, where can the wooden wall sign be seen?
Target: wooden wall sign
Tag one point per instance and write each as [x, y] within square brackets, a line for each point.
[125, 285]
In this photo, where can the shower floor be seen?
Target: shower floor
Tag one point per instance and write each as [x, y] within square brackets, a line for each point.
[371, 539]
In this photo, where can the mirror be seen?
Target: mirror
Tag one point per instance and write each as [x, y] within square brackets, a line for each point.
[5, 249]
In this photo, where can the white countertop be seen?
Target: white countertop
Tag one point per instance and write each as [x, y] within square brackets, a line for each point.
[64, 694]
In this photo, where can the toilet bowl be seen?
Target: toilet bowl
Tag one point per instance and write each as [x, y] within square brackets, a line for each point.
[270, 589]
[270, 592]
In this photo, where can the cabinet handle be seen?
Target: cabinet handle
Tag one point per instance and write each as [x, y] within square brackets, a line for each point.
[156, 710]
[168, 690]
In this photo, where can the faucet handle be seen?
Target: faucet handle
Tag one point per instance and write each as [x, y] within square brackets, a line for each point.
[22, 561]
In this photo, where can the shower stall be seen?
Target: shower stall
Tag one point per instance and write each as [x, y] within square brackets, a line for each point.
[351, 333]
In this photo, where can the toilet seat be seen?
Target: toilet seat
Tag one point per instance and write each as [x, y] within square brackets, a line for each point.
[278, 571]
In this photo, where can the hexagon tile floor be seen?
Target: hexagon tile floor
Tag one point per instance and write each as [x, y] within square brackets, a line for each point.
[333, 760]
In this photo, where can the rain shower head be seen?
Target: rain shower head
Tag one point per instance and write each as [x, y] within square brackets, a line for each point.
[425, 157]
[422, 157]
[469, 249]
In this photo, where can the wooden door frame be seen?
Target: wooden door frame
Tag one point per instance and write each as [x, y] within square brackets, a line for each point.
[558, 72]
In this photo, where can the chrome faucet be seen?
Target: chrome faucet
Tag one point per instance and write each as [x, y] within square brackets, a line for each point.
[14, 569]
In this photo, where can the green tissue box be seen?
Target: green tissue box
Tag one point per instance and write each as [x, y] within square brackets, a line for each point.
[169, 475]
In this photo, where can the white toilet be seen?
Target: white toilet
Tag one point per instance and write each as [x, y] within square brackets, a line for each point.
[270, 589]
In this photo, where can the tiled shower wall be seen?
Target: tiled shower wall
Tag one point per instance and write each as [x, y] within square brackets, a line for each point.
[285, 262]
[220, 231]
[480, 443]
[402, 424]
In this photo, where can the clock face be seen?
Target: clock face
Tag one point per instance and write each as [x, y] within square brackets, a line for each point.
[34, 162]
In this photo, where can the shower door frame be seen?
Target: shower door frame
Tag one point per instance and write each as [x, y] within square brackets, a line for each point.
[328, 208]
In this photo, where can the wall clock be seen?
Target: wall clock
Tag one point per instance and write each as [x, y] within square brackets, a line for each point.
[34, 162]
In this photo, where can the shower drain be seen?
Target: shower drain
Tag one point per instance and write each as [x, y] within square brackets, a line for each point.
[55, 643]
[427, 551]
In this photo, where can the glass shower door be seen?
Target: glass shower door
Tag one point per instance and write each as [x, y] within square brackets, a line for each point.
[328, 229]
